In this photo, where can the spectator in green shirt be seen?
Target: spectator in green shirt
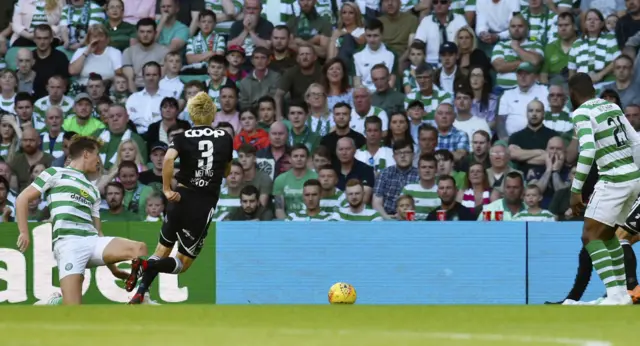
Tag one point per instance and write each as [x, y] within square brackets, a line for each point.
[300, 132]
[556, 53]
[82, 123]
[121, 33]
[287, 188]
[171, 32]
[135, 193]
[116, 212]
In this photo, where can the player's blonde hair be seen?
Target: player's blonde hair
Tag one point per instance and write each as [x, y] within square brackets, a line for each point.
[202, 109]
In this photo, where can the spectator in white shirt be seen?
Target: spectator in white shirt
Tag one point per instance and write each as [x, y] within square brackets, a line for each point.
[465, 121]
[363, 109]
[373, 153]
[375, 52]
[492, 20]
[438, 28]
[171, 81]
[144, 106]
[512, 111]
[96, 57]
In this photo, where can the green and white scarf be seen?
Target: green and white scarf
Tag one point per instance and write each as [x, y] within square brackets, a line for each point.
[322, 124]
[57, 146]
[105, 136]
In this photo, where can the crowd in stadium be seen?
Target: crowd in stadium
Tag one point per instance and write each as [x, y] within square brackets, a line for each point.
[366, 110]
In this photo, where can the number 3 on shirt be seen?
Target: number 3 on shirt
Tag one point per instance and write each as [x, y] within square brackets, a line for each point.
[206, 147]
[618, 131]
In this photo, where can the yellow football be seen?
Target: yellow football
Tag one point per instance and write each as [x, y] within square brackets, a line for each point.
[342, 293]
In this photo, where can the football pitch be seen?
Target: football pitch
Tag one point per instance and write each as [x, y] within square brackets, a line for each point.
[355, 325]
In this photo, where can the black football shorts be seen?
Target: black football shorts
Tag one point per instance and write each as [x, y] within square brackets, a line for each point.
[187, 222]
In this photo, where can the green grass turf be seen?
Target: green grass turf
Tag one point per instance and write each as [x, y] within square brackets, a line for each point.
[194, 325]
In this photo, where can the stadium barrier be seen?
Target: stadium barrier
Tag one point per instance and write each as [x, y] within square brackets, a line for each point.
[294, 263]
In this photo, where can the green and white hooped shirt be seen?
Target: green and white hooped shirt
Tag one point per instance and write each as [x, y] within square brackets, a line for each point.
[74, 201]
[57, 146]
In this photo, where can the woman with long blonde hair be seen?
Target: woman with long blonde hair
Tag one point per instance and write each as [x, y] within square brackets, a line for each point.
[9, 137]
[349, 23]
[320, 119]
[128, 151]
[468, 52]
[28, 14]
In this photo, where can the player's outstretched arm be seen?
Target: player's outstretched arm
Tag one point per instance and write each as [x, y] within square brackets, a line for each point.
[167, 175]
[22, 215]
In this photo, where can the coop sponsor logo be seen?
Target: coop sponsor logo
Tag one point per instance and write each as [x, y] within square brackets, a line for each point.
[26, 278]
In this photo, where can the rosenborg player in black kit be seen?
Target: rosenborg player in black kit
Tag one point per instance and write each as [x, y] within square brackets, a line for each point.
[205, 155]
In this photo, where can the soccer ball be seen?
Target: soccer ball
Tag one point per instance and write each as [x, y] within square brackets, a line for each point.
[342, 293]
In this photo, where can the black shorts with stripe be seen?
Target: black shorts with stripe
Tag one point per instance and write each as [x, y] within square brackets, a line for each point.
[187, 222]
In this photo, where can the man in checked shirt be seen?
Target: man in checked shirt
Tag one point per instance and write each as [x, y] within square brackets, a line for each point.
[392, 179]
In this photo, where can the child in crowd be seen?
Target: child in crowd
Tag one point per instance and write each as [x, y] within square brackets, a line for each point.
[120, 90]
[204, 45]
[217, 72]
[445, 167]
[190, 90]
[171, 81]
[532, 198]
[154, 208]
[102, 107]
[320, 157]
[236, 58]
[416, 56]
[250, 132]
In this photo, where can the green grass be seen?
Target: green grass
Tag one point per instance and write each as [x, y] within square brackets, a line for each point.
[318, 325]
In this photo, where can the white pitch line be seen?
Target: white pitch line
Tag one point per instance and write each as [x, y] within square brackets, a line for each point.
[520, 339]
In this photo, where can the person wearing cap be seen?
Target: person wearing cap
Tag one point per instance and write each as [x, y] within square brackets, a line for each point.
[449, 77]
[117, 132]
[385, 97]
[508, 55]
[236, 59]
[82, 122]
[23, 105]
[153, 176]
[430, 96]
[439, 27]
[512, 110]
[204, 45]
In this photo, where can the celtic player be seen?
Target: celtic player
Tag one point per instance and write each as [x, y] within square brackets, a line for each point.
[78, 242]
[606, 136]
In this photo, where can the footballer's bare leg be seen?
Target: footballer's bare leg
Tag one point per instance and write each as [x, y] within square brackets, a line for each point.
[71, 286]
